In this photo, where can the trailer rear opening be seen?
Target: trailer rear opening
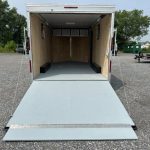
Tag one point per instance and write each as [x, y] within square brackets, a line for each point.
[59, 38]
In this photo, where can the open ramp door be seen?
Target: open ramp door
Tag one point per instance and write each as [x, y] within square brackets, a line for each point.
[70, 110]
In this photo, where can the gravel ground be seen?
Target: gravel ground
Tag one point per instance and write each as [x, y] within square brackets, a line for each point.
[131, 81]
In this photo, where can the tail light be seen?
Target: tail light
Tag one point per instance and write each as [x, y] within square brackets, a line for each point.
[30, 66]
[110, 65]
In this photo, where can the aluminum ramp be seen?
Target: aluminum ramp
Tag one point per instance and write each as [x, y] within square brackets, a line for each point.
[70, 110]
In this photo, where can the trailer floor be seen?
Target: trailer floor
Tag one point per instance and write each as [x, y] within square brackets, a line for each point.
[70, 71]
[130, 80]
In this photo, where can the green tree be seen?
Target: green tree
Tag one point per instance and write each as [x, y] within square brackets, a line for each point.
[11, 24]
[131, 25]
[4, 8]
[16, 25]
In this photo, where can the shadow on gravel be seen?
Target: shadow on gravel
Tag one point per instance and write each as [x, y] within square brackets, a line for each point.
[116, 82]
[145, 62]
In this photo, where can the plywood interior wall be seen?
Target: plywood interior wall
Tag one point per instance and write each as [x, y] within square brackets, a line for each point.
[41, 47]
[101, 46]
[80, 49]
[70, 49]
[60, 49]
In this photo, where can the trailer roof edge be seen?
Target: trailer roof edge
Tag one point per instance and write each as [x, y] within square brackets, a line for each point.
[54, 8]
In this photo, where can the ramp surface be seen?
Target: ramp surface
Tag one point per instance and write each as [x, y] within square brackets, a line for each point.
[56, 107]
[45, 134]
[70, 110]
[70, 102]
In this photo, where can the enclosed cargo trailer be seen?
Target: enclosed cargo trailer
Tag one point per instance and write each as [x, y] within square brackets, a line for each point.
[70, 97]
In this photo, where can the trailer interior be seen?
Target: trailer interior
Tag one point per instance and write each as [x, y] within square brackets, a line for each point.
[76, 43]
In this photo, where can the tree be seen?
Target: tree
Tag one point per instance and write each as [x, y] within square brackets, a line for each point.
[16, 25]
[4, 8]
[11, 24]
[131, 25]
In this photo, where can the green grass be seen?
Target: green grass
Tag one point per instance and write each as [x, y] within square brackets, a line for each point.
[10, 47]
[4, 50]
[144, 50]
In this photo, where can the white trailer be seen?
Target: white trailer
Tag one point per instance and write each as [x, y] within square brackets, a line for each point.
[70, 97]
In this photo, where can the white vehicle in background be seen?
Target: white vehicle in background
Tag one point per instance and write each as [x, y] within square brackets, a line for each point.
[20, 49]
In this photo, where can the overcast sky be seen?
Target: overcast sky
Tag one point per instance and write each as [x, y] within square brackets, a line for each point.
[120, 4]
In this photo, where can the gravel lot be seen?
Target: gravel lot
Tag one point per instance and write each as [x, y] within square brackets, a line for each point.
[131, 81]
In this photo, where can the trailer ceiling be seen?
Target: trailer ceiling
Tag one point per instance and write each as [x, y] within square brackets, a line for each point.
[71, 20]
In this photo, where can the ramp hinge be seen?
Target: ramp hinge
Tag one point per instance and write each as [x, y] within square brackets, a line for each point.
[134, 128]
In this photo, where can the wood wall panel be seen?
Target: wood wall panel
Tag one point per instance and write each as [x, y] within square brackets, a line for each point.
[80, 49]
[65, 50]
[101, 46]
[41, 49]
[60, 49]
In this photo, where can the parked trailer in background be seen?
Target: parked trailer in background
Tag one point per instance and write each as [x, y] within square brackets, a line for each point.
[142, 56]
[70, 97]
